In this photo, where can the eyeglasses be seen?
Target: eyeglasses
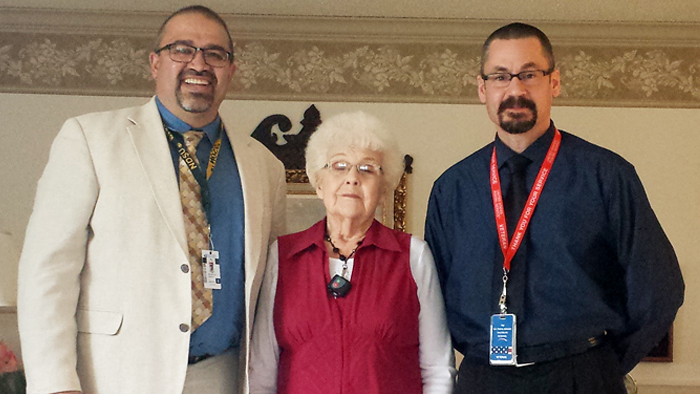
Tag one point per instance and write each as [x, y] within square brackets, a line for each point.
[342, 168]
[527, 78]
[183, 53]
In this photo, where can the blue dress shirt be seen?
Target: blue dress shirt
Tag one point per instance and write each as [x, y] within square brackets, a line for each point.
[594, 258]
[226, 217]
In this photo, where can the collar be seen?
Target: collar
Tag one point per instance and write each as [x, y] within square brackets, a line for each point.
[536, 152]
[176, 124]
[378, 235]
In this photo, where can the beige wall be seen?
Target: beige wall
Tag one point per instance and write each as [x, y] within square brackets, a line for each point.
[662, 143]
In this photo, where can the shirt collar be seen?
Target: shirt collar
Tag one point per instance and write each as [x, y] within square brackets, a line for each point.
[377, 235]
[535, 152]
[172, 122]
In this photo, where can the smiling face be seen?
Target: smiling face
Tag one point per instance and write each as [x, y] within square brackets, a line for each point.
[517, 109]
[192, 91]
[350, 194]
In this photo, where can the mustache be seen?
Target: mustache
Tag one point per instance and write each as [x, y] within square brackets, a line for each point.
[513, 102]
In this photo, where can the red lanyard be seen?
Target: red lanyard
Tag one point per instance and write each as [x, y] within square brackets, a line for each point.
[497, 196]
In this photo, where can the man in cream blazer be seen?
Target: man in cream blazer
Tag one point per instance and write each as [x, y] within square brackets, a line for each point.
[104, 301]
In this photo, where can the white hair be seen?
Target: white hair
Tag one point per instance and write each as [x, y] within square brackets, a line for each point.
[355, 130]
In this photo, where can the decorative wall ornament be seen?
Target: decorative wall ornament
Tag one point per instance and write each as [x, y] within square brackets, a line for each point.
[286, 143]
[348, 59]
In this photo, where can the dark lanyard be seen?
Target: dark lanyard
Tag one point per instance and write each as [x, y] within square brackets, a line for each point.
[178, 142]
[509, 249]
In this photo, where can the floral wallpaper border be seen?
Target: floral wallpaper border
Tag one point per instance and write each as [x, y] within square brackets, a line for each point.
[351, 66]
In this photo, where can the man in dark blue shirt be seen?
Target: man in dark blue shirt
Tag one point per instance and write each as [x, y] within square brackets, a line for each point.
[591, 277]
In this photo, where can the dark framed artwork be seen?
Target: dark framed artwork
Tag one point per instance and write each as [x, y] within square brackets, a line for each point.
[663, 351]
[304, 208]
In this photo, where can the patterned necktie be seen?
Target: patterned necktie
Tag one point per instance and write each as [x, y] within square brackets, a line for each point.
[197, 230]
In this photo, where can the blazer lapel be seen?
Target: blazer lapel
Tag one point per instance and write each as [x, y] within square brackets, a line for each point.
[151, 145]
[253, 194]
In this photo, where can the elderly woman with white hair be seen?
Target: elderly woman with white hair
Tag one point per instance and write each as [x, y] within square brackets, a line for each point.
[349, 305]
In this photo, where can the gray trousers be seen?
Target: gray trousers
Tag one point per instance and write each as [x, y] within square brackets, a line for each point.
[215, 375]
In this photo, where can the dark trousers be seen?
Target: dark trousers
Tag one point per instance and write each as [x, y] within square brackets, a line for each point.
[596, 371]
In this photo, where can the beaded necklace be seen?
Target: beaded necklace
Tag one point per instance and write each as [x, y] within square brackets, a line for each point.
[340, 286]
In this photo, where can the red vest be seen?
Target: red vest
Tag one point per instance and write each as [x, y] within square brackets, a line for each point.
[364, 343]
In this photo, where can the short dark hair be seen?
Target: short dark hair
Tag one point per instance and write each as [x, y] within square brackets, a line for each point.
[196, 9]
[515, 31]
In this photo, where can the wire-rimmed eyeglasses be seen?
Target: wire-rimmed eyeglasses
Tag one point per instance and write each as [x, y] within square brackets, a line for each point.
[343, 167]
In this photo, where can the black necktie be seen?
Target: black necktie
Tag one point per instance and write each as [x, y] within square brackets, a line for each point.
[517, 193]
[514, 201]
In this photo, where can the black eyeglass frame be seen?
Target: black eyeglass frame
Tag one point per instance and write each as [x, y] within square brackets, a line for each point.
[229, 55]
[516, 75]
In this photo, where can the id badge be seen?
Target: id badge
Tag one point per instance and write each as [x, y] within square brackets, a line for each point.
[211, 269]
[502, 349]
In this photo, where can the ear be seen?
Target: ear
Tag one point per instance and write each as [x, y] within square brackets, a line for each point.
[154, 60]
[481, 89]
[231, 71]
[555, 83]
[319, 192]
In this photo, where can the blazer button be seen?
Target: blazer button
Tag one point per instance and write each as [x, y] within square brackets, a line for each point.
[185, 268]
[184, 327]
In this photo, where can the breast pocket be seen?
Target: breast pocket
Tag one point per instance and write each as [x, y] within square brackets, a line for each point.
[99, 322]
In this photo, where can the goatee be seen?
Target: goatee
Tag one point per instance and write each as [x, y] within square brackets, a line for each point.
[195, 102]
[518, 124]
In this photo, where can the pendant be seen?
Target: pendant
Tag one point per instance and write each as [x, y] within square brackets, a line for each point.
[339, 286]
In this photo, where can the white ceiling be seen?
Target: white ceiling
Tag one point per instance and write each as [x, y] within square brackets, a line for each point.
[558, 10]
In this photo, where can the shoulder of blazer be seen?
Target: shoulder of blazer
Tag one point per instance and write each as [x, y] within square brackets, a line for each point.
[250, 150]
[145, 116]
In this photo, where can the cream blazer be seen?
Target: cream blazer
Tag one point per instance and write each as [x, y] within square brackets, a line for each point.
[103, 287]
